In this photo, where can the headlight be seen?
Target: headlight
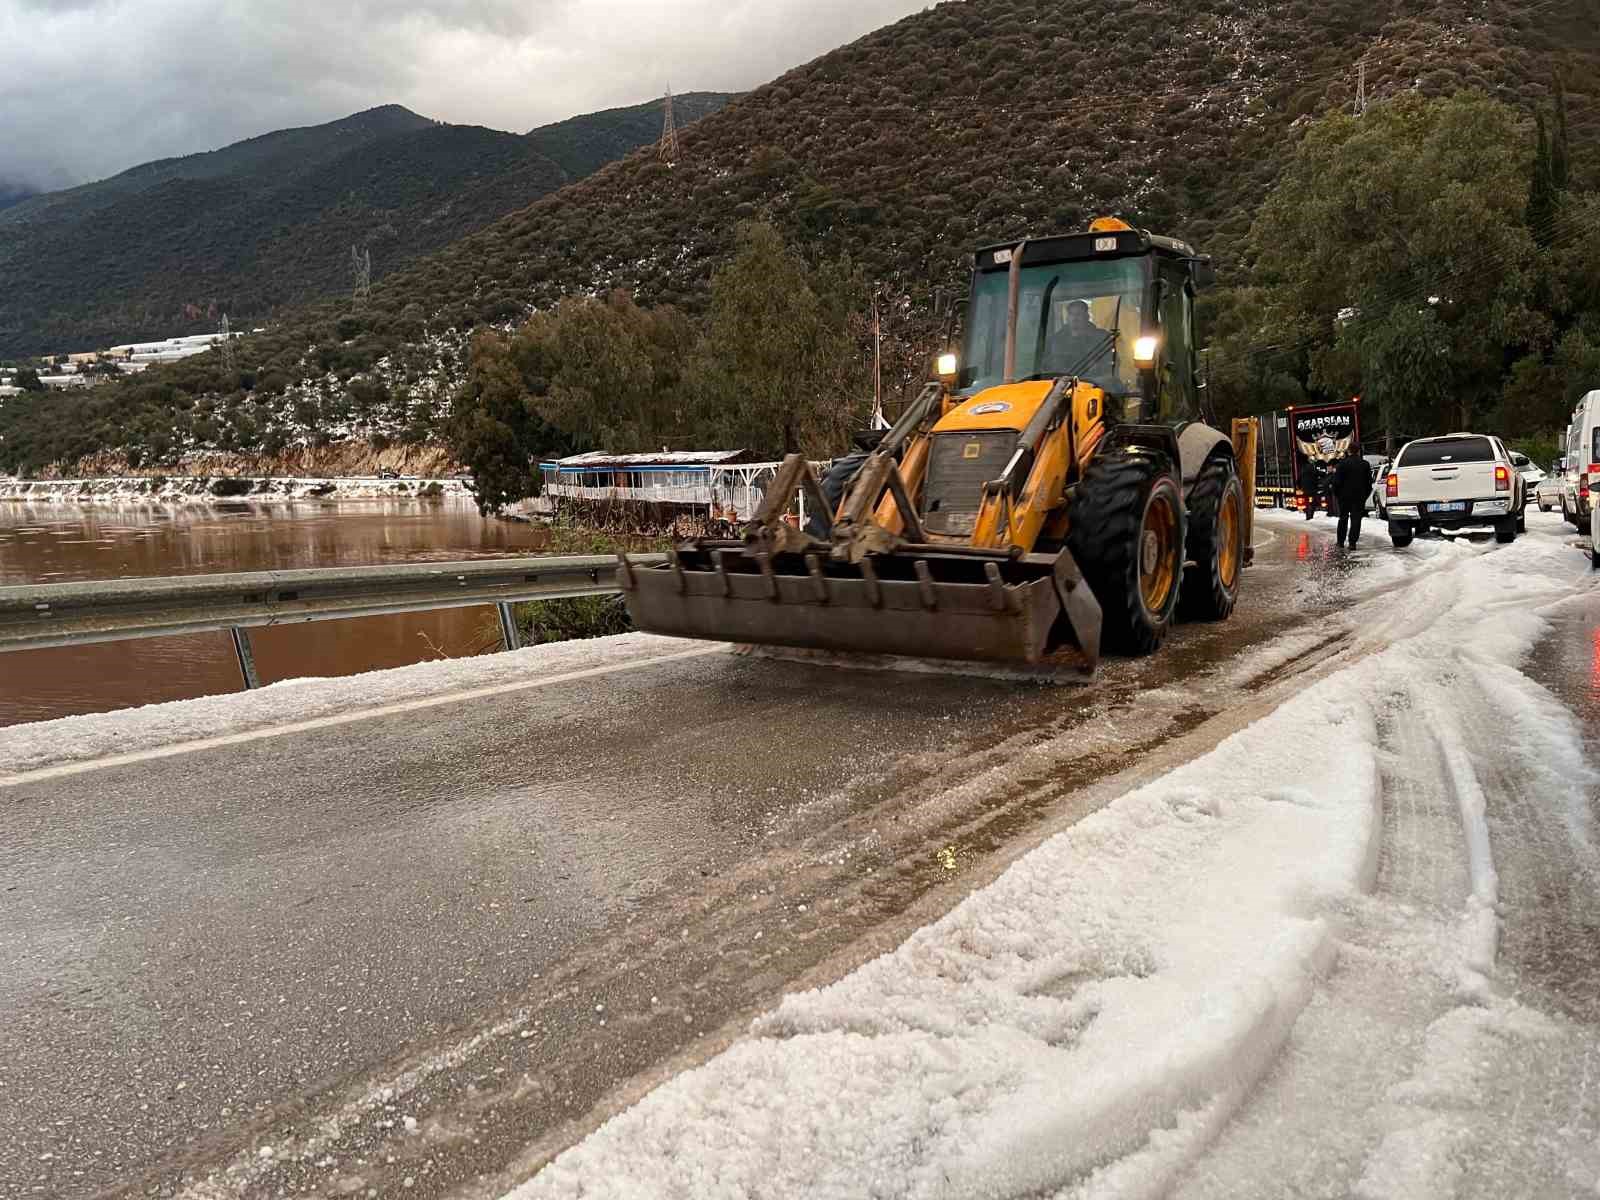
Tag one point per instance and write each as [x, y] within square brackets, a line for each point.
[947, 365]
[1144, 350]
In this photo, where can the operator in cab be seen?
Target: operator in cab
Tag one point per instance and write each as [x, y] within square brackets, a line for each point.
[1069, 348]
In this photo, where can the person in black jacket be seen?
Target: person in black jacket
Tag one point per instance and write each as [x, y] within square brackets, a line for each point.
[1352, 484]
[1312, 483]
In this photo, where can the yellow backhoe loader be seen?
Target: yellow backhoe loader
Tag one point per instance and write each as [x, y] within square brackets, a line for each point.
[1052, 492]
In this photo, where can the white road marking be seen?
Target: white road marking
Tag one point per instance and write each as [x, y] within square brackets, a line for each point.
[347, 718]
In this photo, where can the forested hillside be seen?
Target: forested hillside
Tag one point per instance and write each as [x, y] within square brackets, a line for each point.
[167, 247]
[11, 195]
[582, 145]
[258, 158]
[964, 123]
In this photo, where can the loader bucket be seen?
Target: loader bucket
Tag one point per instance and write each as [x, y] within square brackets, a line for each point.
[949, 606]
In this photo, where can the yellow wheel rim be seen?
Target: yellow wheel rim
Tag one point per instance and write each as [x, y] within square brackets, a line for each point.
[1228, 536]
[1158, 557]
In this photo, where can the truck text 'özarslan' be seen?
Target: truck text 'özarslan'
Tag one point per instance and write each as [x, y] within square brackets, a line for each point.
[1293, 437]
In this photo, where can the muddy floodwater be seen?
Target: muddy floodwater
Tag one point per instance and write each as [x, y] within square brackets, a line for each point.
[63, 543]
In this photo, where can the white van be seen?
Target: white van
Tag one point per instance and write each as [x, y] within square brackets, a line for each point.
[1583, 452]
[1583, 446]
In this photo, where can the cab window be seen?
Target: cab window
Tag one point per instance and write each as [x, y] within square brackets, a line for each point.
[1177, 357]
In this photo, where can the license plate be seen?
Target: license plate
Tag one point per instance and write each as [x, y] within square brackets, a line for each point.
[1449, 506]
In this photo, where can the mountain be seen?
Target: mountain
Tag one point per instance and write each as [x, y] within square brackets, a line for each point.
[167, 247]
[1175, 115]
[13, 194]
[964, 123]
[259, 159]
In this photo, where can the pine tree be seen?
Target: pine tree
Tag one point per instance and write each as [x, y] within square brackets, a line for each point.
[1560, 160]
[1541, 210]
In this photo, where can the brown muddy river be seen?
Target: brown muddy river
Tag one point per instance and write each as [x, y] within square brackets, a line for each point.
[62, 543]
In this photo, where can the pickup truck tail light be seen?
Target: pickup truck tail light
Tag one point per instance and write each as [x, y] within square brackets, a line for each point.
[1391, 487]
[1502, 479]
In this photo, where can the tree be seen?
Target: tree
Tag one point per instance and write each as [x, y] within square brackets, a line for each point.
[495, 431]
[780, 371]
[1560, 151]
[1540, 214]
[608, 373]
[28, 380]
[1393, 247]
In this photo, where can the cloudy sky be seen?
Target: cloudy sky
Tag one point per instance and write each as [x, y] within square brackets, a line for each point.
[90, 87]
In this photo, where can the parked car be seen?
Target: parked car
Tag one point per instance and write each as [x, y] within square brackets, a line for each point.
[1532, 475]
[1458, 481]
[388, 473]
[1551, 493]
[1380, 468]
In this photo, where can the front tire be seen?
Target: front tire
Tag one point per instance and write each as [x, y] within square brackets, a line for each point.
[1127, 535]
[1215, 543]
[1400, 535]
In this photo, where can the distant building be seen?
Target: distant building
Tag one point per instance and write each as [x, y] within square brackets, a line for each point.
[129, 358]
[723, 485]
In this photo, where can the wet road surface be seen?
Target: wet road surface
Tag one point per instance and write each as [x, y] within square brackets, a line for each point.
[411, 948]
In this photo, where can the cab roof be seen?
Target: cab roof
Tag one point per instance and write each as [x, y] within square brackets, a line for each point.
[1091, 244]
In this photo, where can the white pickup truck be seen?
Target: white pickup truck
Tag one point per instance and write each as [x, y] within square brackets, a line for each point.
[1459, 481]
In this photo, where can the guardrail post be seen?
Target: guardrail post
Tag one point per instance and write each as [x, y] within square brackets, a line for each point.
[247, 660]
[510, 635]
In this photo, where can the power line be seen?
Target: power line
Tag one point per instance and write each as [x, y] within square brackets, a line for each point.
[1267, 358]
[1391, 55]
[1262, 354]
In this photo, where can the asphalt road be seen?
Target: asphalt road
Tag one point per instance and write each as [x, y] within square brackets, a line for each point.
[425, 950]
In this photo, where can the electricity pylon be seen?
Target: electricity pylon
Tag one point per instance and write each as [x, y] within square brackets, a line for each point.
[668, 148]
[361, 267]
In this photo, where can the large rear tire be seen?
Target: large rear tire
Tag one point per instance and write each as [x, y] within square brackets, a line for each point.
[1215, 544]
[1127, 535]
[1401, 534]
[1505, 532]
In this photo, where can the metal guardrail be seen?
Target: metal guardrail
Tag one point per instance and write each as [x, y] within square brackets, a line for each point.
[37, 616]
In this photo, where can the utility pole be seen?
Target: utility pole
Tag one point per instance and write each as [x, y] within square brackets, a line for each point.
[361, 268]
[667, 150]
[877, 361]
[1361, 88]
[227, 345]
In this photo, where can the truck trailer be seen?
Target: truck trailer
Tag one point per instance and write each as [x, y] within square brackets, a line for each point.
[1293, 437]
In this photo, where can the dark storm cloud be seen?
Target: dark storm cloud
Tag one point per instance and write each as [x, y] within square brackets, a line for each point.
[90, 87]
